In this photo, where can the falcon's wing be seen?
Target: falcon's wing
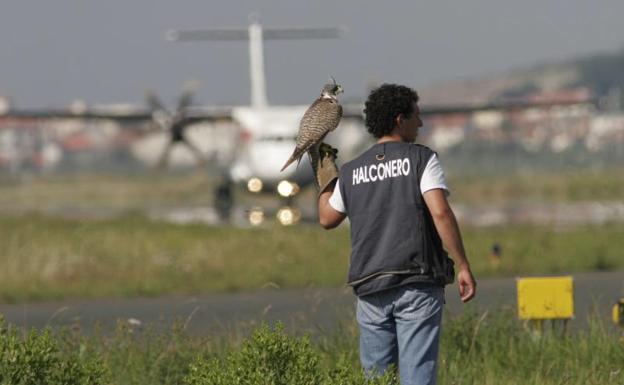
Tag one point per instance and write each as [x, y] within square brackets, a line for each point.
[322, 117]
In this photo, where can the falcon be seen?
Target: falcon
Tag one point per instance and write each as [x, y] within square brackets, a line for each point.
[321, 117]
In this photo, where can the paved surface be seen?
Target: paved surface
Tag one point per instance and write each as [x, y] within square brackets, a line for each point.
[299, 309]
[553, 214]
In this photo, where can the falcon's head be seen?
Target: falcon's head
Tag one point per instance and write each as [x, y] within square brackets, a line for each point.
[331, 90]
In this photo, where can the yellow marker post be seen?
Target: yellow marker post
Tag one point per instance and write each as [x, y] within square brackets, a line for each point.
[618, 313]
[545, 298]
[618, 316]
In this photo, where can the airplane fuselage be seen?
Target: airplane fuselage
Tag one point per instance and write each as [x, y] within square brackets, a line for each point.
[267, 140]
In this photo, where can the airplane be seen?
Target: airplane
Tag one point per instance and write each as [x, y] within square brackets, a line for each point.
[267, 133]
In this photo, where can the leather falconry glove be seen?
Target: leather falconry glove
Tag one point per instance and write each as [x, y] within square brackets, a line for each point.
[323, 159]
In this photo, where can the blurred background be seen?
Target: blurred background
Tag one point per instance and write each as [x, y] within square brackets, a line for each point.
[144, 217]
[124, 123]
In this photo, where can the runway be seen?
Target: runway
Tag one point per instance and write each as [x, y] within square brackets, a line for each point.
[311, 308]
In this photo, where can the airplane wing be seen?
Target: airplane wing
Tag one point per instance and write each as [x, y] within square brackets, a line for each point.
[131, 119]
[355, 110]
[196, 114]
[69, 114]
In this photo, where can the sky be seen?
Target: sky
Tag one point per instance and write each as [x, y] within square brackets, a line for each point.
[112, 51]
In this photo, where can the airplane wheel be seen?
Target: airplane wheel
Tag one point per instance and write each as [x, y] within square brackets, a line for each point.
[224, 200]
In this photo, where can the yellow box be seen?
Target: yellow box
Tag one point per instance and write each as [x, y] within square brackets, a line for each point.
[545, 298]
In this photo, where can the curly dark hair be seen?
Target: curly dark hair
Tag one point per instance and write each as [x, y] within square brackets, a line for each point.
[384, 104]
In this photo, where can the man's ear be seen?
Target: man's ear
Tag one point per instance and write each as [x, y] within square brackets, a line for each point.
[398, 120]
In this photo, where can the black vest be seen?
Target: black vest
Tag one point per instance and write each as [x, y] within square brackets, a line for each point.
[393, 239]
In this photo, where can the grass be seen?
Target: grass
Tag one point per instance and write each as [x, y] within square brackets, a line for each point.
[106, 191]
[544, 249]
[128, 255]
[495, 348]
[566, 186]
[54, 258]
[51, 258]
[476, 348]
[143, 191]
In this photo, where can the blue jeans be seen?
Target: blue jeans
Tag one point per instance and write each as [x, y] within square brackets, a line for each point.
[401, 326]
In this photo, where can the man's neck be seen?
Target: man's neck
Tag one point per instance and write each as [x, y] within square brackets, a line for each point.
[390, 138]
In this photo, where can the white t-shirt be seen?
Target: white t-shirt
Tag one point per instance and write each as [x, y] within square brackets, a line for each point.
[432, 178]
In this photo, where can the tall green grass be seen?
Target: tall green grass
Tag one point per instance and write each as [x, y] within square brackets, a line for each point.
[495, 348]
[476, 348]
[50, 258]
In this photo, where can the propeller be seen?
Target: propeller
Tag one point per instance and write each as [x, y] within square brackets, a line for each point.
[170, 120]
[160, 115]
[188, 92]
[174, 122]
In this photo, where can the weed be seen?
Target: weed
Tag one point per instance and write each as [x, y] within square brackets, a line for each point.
[40, 358]
[476, 348]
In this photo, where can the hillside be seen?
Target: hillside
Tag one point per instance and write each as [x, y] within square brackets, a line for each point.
[599, 73]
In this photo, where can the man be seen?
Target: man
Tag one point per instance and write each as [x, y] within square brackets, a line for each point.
[395, 197]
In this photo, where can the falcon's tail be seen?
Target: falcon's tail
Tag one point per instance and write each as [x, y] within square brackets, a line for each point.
[296, 155]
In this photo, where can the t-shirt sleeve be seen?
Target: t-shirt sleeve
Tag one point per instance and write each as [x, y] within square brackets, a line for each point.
[433, 176]
[335, 200]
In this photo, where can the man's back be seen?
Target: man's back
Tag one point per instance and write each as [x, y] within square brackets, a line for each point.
[390, 226]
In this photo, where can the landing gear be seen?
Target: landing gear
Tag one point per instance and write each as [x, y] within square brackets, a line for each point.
[224, 200]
